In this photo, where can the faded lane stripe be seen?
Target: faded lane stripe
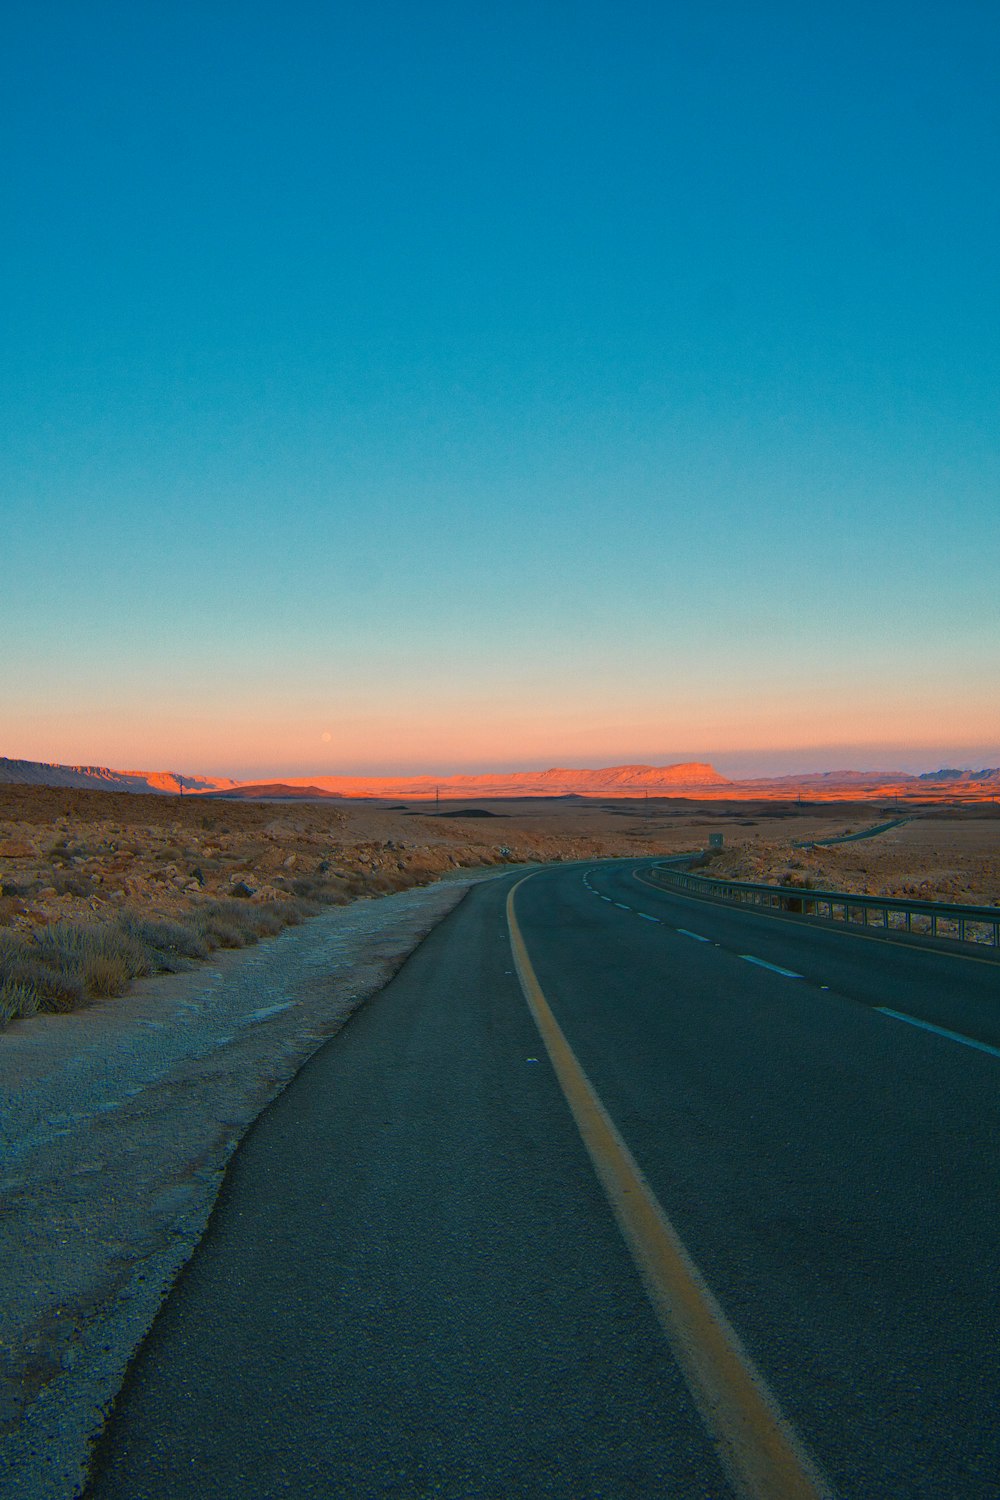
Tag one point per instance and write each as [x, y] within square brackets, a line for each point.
[953, 1036]
[762, 1455]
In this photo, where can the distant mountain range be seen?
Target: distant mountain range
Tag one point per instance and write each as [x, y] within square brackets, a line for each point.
[682, 779]
[610, 781]
[103, 779]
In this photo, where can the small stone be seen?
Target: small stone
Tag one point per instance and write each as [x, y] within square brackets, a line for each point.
[16, 849]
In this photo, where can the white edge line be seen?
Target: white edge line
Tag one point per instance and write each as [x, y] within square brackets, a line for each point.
[775, 968]
[953, 1036]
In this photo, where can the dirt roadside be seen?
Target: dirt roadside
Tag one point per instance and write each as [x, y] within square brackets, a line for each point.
[936, 857]
[118, 1122]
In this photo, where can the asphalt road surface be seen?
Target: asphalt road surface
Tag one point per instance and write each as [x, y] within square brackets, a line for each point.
[780, 1281]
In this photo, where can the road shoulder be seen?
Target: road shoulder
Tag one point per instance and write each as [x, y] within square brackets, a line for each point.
[118, 1123]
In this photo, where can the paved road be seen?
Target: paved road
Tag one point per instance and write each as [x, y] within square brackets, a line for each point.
[413, 1284]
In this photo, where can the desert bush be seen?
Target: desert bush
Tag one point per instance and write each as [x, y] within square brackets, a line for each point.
[225, 924]
[235, 924]
[56, 967]
[106, 974]
[17, 999]
[71, 946]
[55, 987]
[172, 942]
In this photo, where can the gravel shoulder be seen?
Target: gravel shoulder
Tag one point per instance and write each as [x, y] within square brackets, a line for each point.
[117, 1124]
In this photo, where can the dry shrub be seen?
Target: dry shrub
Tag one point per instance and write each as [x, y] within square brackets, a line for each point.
[58, 966]
[235, 924]
[225, 924]
[17, 999]
[54, 987]
[105, 975]
[173, 943]
[71, 946]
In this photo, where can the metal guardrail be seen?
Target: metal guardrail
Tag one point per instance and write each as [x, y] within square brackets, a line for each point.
[935, 919]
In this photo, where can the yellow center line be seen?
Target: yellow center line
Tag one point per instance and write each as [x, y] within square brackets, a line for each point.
[761, 1454]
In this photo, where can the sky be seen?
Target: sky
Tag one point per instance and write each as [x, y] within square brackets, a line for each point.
[392, 388]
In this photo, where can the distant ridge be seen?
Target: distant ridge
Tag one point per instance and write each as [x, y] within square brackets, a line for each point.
[557, 782]
[275, 791]
[102, 778]
[695, 779]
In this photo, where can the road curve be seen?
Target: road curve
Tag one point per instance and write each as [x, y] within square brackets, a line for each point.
[414, 1282]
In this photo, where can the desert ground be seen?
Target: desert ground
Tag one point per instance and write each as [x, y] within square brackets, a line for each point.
[97, 888]
[941, 854]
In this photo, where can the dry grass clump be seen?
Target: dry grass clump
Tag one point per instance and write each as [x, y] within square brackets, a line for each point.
[237, 924]
[29, 984]
[58, 966]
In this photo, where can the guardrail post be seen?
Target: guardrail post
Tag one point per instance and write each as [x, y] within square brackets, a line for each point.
[964, 924]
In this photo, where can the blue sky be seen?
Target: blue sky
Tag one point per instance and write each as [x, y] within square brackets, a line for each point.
[398, 387]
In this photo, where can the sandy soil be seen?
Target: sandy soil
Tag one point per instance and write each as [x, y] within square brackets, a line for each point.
[85, 855]
[82, 855]
[944, 855]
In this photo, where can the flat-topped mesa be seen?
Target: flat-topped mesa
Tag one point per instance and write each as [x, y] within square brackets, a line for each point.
[680, 773]
[558, 781]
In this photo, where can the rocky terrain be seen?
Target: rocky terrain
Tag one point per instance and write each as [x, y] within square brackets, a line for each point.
[99, 888]
[67, 854]
[948, 855]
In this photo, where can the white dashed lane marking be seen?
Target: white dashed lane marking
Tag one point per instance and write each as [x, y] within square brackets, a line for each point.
[774, 968]
[762, 963]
